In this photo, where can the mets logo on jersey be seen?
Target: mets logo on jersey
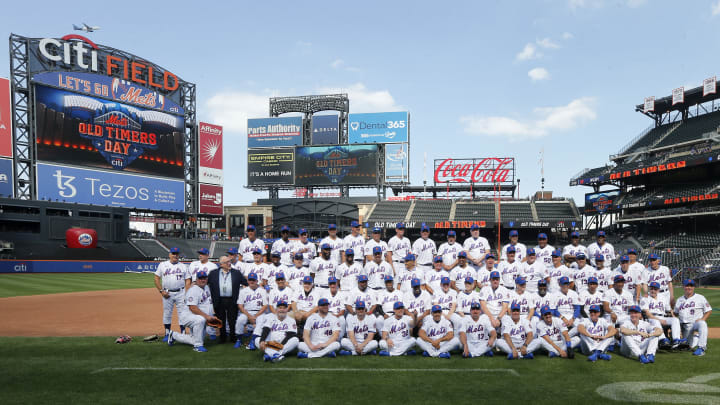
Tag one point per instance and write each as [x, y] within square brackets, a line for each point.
[437, 332]
[279, 327]
[397, 328]
[321, 324]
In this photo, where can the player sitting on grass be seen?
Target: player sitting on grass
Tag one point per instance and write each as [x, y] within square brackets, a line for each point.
[436, 336]
[553, 335]
[639, 338]
[396, 337]
[252, 304]
[361, 331]
[477, 334]
[660, 316]
[596, 335]
[517, 334]
[195, 314]
[694, 311]
[320, 337]
[278, 328]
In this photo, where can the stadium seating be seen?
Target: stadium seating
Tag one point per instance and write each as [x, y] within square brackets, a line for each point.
[221, 248]
[484, 211]
[389, 211]
[150, 247]
[692, 129]
[554, 211]
[516, 211]
[431, 210]
[647, 140]
[188, 247]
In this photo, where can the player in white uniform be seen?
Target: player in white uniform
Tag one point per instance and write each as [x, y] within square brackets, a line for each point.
[336, 244]
[409, 273]
[533, 270]
[603, 248]
[195, 314]
[377, 269]
[693, 310]
[517, 336]
[397, 337]
[297, 273]
[636, 265]
[361, 293]
[249, 244]
[271, 270]
[284, 246]
[356, 242]
[321, 334]
[280, 293]
[252, 304]
[568, 306]
[559, 270]
[591, 296]
[235, 259]
[509, 269]
[361, 332]
[633, 276]
[256, 266]
[582, 274]
[432, 278]
[202, 263]
[477, 335]
[544, 298]
[544, 251]
[616, 302]
[436, 337]
[461, 272]
[520, 248]
[482, 278]
[466, 298]
[639, 338]
[371, 244]
[596, 335]
[449, 251]
[554, 337]
[447, 299]
[661, 274]
[603, 274]
[526, 300]
[279, 327]
[385, 299]
[660, 315]
[305, 247]
[323, 267]
[418, 302]
[400, 247]
[348, 272]
[336, 300]
[570, 251]
[424, 250]
[476, 247]
[305, 303]
[171, 277]
[494, 300]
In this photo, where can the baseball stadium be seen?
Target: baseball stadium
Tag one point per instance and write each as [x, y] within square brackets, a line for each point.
[127, 277]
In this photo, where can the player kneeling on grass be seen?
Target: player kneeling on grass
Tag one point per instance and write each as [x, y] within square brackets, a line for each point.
[477, 334]
[396, 330]
[639, 338]
[694, 311]
[279, 334]
[656, 309]
[596, 335]
[321, 334]
[436, 337]
[361, 333]
[252, 304]
[553, 335]
[517, 333]
[195, 314]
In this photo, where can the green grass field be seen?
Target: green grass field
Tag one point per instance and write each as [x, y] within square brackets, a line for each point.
[12, 285]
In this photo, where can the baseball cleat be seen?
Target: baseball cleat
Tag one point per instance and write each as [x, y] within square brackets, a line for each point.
[372, 353]
[200, 349]
[345, 353]
[571, 353]
[331, 355]
[651, 358]
[604, 356]
[266, 357]
[444, 355]
[384, 353]
[212, 337]
[611, 348]
[529, 356]
[593, 357]
[169, 338]
[510, 356]
[699, 352]
[410, 353]
[643, 359]
[425, 353]
[238, 344]
[251, 346]
[165, 338]
[302, 355]
[469, 356]
[277, 357]
[664, 342]
[682, 343]
[488, 353]
[553, 354]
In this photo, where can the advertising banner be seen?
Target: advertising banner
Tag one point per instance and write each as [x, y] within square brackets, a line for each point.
[476, 171]
[271, 166]
[602, 202]
[710, 86]
[210, 139]
[211, 199]
[91, 132]
[336, 165]
[325, 130]
[396, 163]
[378, 127]
[6, 135]
[6, 178]
[273, 132]
[75, 266]
[109, 188]
[678, 95]
[649, 104]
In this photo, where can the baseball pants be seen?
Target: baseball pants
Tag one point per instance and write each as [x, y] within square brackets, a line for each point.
[478, 349]
[332, 347]
[589, 345]
[399, 269]
[504, 347]
[400, 347]
[379, 322]
[426, 268]
[196, 323]
[288, 347]
[670, 321]
[629, 347]
[457, 322]
[348, 345]
[620, 319]
[543, 344]
[176, 299]
[341, 319]
[688, 330]
[445, 347]
[242, 321]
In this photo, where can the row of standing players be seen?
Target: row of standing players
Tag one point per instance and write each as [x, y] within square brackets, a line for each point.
[615, 303]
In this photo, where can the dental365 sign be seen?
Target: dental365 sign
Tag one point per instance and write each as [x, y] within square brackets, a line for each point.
[387, 127]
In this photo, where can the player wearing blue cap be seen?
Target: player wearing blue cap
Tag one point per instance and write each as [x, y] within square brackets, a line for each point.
[517, 336]
[336, 244]
[545, 298]
[601, 247]
[447, 299]
[202, 263]
[639, 338]
[348, 272]
[236, 262]
[477, 335]
[494, 300]
[385, 299]
[257, 266]
[280, 293]
[544, 251]
[336, 300]
[397, 337]
[409, 273]
[559, 270]
[466, 298]
[660, 315]
[374, 242]
[306, 248]
[662, 275]
[476, 247]
[582, 274]
[616, 302]
[596, 335]
[693, 311]
[482, 278]
[436, 337]
[305, 303]
[533, 270]
[297, 273]
[568, 306]
[527, 301]
[321, 335]
[424, 250]
[279, 327]
[284, 246]
[361, 331]
[449, 251]
[252, 303]
[633, 276]
[571, 250]
[171, 278]
[271, 269]
[418, 301]
[520, 248]
[247, 245]
[377, 269]
[356, 242]
[591, 296]
[399, 246]
[461, 272]
[510, 268]
[323, 267]
[432, 279]
[603, 274]
[361, 293]
[195, 314]
[634, 263]
[554, 337]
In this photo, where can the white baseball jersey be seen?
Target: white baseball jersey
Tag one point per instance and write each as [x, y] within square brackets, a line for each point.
[399, 248]
[247, 246]
[258, 268]
[436, 330]
[449, 252]
[508, 273]
[200, 297]
[357, 244]
[640, 268]
[276, 295]
[520, 252]
[358, 295]
[655, 306]
[555, 273]
[641, 326]
[633, 277]
[533, 273]
[279, 328]
[573, 250]
[554, 330]
[566, 303]
[607, 250]
[445, 299]
[691, 309]
[544, 255]
[295, 275]
[398, 329]
[285, 249]
[604, 276]
[526, 300]
[371, 244]
[271, 270]
[418, 304]
[494, 298]
[477, 332]
[434, 278]
[587, 299]
[252, 300]
[347, 275]
[386, 299]
[582, 275]
[362, 328]
[518, 331]
[336, 245]
[308, 250]
[306, 301]
[321, 327]
[172, 276]
[550, 300]
[459, 274]
[376, 273]
[476, 248]
[483, 277]
[336, 302]
[465, 299]
[619, 303]
[599, 328]
[237, 265]
[323, 269]
[406, 277]
[662, 276]
[425, 250]
[198, 266]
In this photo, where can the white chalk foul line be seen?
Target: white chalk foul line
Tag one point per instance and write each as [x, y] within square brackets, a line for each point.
[380, 370]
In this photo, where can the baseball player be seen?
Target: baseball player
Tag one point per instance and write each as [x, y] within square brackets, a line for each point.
[433, 278]
[278, 327]
[509, 269]
[194, 315]
[545, 298]
[374, 242]
[356, 242]
[446, 298]
[517, 341]
[249, 244]
[634, 264]
[284, 246]
[693, 310]
[476, 247]
[336, 300]
[361, 293]
[477, 335]
[424, 250]
[348, 272]
[449, 251]
[559, 270]
[553, 335]
[202, 263]
[494, 300]
[582, 274]
[603, 274]
[321, 334]
[596, 335]
[323, 267]
[256, 266]
[336, 244]
[377, 269]
[461, 272]
[466, 298]
[171, 277]
[568, 306]
[663, 276]
[520, 248]
[418, 301]
[361, 331]
[660, 316]
[400, 247]
[533, 270]
[570, 251]
[271, 271]
[633, 276]
[525, 300]
[436, 337]
[305, 303]
[297, 273]
[396, 333]
[591, 296]
[544, 251]
[482, 278]
[235, 261]
[639, 338]
[252, 304]
[385, 299]
[306, 248]
[410, 273]
[601, 247]
[281, 292]
[616, 302]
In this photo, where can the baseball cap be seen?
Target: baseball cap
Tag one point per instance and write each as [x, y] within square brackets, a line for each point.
[653, 256]
[632, 251]
[349, 252]
[445, 280]
[545, 310]
[398, 305]
[174, 250]
[557, 253]
[280, 276]
[511, 249]
[282, 303]
[451, 233]
[298, 256]
[409, 257]
[307, 279]
[689, 282]
[252, 276]
[542, 236]
[580, 255]
[257, 251]
[462, 254]
[592, 280]
[360, 304]
[325, 246]
[204, 251]
[594, 308]
[275, 254]
[400, 225]
[489, 255]
[513, 233]
[323, 301]
[302, 231]
[655, 284]
[377, 250]
[600, 233]
[362, 278]
[424, 228]
[388, 278]
[494, 274]
[634, 308]
[232, 251]
[619, 279]
[515, 306]
[542, 282]
[354, 224]
[332, 280]
[201, 274]
[250, 228]
[332, 226]
[469, 280]
[599, 257]
[624, 258]
[436, 308]
[284, 228]
[575, 234]
[475, 305]
[564, 280]
[437, 259]
[530, 252]
[474, 227]
[520, 281]
[415, 282]
[377, 230]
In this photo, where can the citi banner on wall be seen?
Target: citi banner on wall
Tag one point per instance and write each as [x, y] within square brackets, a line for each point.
[378, 127]
[325, 130]
[271, 166]
[210, 139]
[475, 171]
[336, 165]
[89, 131]
[6, 178]
[605, 201]
[211, 199]
[6, 135]
[396, 163]
[116, 189]
[273, 132]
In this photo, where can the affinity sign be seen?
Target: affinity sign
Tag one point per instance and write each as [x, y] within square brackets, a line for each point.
[211, 153]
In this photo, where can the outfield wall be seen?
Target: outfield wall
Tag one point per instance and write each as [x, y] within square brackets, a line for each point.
[74, 266]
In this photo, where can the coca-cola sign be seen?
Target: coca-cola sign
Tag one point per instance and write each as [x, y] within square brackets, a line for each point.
[475, 171]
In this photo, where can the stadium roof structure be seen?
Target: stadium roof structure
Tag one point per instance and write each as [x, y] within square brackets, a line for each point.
[665, 105]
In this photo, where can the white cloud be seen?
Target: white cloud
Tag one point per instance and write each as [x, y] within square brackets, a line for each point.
[547, 43]
[337, 63]
[529, 52]
[363, 99]
[567, 35]
[538, 74]
[715, 8]
[547, 120]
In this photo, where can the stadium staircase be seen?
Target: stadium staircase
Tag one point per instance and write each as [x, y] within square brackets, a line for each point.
[410, 211]
[370, 211]
[452, 212]
[535, 215]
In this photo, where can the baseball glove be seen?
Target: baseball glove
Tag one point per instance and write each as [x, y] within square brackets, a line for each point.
[215, 323]
[274, 345]
[123, 339]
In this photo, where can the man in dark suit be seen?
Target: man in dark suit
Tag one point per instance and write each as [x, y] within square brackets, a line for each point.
[225, 284]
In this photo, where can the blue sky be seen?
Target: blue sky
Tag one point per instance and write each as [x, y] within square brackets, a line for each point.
[479, 78]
